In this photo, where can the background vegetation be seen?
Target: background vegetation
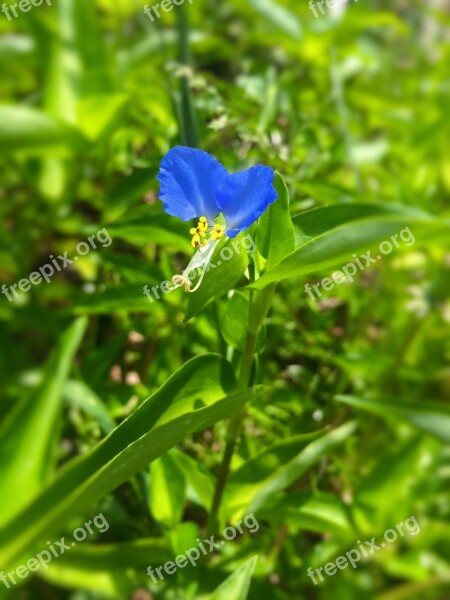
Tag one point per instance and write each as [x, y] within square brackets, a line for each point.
[352, 110]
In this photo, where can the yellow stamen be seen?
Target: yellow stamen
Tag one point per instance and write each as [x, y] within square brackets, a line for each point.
[197, 242]
[199, 262]
[218, 232]
[199, 232]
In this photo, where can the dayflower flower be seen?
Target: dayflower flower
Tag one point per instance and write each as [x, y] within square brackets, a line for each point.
[194, 185]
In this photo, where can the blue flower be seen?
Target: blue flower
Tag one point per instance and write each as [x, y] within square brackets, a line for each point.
[243, 197]
[195, 185]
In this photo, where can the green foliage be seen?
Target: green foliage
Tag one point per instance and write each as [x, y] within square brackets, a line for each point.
[220, 275]
[237, 585]
[325, 418]
[33, 455]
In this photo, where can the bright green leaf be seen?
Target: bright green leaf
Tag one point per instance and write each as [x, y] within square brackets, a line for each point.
[29, 434]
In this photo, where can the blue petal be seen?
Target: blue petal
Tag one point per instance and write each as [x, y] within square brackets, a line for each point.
[245, 196]
[189, 180]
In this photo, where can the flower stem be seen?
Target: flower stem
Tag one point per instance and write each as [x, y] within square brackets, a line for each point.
[186, 109]
[258, 309]
[232, 433]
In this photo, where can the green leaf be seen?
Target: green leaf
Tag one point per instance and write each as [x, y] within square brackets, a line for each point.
[434, 418]
[226, 268]
[114, 569]
[183, 536]
[199, 479]
[275, 236]
[336, 246]
[77, 66]
[31, 131]
[237, 586]
[418, 589]
[79, 395]
[121, 298]
[128, 191]
[325, 193]
[396, 476]
[233, 318]
[29, 433]
[313, 223]
[321, 512]
[167, 491]
[194, 398]
[251, 486]
[75, 70]
[151, 225]
[280, 16]
[134, 269]
[97, 115]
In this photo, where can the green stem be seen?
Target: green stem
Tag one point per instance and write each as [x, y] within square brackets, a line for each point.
[186, 109]
[258, 309]
[343, 113]
[247, 360]
[233, 432]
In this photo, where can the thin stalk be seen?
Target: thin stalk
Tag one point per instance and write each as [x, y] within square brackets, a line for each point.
[342, 110]
[186, 110]
[233, 431]
[259, 306]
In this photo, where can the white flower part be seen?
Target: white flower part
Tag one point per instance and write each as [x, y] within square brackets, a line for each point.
[200, 260]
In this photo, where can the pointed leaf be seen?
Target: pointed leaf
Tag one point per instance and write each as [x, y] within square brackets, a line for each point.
[336, 246]
[28, 435]
[275, 236]
[237, 586]
[194, 398]
[434, 418]
[226, 268]
[251, 486]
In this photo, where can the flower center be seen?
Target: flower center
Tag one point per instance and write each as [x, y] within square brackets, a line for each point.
[205, 239]
[199, 233]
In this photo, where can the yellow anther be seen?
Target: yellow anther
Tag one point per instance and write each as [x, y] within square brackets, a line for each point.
[218, 232]
[205, 247]
[197, 242]
[202, 227]
[199, 232]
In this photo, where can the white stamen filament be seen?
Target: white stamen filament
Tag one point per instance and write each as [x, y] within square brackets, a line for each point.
[200, 260]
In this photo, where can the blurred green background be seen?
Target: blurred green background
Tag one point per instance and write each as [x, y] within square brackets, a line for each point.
[352, 108]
